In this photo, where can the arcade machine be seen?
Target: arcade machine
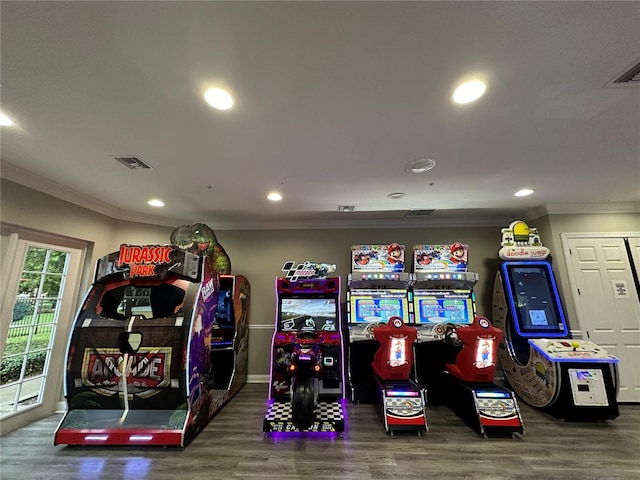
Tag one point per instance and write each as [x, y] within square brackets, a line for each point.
[446, 320]
[376, 292]
[570, 378]
[306, 384]
[488, 408]
[139, 364]
[402, 403]
[443, 300]
[379, 290]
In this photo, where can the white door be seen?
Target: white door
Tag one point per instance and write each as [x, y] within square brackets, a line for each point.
[607, 302]
[37, 305]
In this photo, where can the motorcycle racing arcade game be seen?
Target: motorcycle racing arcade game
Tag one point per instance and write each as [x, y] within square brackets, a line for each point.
[445, 317]
[571, 379]
[306, 383]
[139, 359]
[379, 291]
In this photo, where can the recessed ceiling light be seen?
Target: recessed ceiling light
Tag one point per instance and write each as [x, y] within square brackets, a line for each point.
[524, 192]
[154, 202]
[469, 91]
[5, 121]
[274, 197]
[420, 165]
[395, 196]
[218, 98]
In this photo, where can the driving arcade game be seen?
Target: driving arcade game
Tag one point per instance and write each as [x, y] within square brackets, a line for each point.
[442, 299]
[380, 351]
[572, 379]
[488, 408]
[140, 366]
[456, 349]
[306, 385]
[402, 403]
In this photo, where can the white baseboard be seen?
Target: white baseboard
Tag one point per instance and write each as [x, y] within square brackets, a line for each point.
[257, 378]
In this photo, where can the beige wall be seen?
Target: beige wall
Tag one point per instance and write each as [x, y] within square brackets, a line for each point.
[259, 254]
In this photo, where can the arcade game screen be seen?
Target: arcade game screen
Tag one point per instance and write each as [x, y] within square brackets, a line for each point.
[534, 299]
[375, 308]
[444, 307]
[308, 314]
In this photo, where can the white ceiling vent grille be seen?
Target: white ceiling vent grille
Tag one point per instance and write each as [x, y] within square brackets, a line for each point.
[346, 208]
[418, 213]
[133, 163]
[631, 76]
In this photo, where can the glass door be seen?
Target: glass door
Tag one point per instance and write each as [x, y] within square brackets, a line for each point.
[37, 313]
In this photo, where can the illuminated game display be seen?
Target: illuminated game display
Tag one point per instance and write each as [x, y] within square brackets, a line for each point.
[312, 314]
[533, 295]
[573, 379]
[373, 306]
[454, 306]
[141, 365]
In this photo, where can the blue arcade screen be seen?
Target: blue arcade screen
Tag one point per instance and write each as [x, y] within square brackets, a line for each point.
[444, 307]
[378, 308]
[533, 299]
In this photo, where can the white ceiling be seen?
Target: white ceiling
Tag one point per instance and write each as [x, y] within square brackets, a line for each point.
[333, 99]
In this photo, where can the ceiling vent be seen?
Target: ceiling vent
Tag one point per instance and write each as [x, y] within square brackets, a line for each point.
[346, 208]
[134, 163]
[418, 213]
[631, 76]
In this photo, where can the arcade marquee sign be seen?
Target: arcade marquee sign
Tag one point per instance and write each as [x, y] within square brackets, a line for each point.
[143, 260]
[148, 261]
[521, 242]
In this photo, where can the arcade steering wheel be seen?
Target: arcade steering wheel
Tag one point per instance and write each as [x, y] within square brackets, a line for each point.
[451, 335]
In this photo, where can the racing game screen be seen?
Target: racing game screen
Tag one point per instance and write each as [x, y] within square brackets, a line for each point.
[378, 308]
[534, 300]
[455, 306]
[308, 314]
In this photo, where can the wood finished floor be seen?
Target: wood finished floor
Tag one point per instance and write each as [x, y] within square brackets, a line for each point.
[233, 446]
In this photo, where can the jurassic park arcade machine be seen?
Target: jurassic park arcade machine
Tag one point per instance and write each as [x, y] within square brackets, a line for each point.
[573, 379]
[139, 360]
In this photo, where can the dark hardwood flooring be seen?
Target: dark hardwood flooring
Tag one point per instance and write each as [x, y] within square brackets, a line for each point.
[233, 446]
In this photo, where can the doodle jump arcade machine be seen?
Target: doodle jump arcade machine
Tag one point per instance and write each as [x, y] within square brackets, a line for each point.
[138, 360]
[380, 353]
[306, 378]
[570, 378]
[445, 317]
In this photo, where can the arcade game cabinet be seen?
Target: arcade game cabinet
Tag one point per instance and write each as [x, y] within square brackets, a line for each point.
[380, 354]
[402, 403]
[139, 364]
[443, 300]
[376, 292]
[306, 384]
[570, 378]
[488, 408]
[455, 353]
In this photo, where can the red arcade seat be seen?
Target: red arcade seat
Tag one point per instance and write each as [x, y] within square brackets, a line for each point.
[394, 358]
[476, 362]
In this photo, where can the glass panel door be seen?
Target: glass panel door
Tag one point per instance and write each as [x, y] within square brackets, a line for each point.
[31, 333]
